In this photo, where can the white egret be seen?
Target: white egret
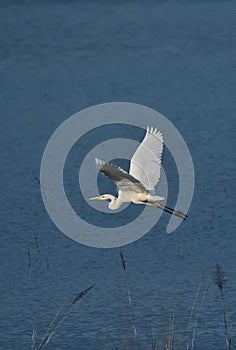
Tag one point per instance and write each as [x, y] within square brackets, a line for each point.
[138, 186]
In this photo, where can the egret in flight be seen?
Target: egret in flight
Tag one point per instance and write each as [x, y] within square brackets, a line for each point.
[138, 186]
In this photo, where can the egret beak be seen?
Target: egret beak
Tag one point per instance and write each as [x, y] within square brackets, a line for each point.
[95, 198]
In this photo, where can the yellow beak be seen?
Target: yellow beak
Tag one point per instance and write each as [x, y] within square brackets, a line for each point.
[95, 198]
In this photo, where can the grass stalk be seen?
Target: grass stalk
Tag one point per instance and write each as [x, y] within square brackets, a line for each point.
[154, 343]
[36, 242]
[192, 311]
[29, 257]
[197, 316]
[58, 319]
[36, 178]
[113, 343]
[169, 343]
[34, 332]
[130, 300]
[220, 282]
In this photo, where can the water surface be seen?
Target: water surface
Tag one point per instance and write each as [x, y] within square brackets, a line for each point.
[59, 58]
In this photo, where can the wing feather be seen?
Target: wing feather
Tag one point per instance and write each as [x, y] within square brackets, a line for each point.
[145, 164]
[119, 176]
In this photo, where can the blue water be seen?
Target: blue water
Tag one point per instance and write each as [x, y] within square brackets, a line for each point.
[56, 59]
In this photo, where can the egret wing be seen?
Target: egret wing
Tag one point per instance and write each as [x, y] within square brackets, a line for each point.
[145, 164]
[123, 180]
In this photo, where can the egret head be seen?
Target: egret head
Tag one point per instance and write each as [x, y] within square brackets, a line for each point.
[103, 197]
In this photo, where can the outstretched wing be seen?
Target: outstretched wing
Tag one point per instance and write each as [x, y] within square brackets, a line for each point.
[123, 180]
[145, 164]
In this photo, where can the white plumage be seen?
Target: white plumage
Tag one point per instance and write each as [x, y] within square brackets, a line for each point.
[144, 174]
[145, 165]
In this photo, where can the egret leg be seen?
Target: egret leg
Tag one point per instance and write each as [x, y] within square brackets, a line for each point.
[169, 210]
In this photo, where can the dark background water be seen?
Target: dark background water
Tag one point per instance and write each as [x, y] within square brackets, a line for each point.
[57, 58]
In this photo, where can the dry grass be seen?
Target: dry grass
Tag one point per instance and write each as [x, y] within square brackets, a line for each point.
[195, 312]
[220, 281]
[58, 319]
[130, 301]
